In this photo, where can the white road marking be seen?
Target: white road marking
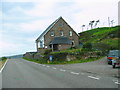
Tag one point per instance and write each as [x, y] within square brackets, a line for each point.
[74, 73]
[62, 70]
[47, 66]
[43, 65]
[3, 66]
[35, 63]
[94, 77]
[117, 83]
[54, 68]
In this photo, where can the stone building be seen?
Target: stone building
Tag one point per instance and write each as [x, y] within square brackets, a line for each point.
[58, 36]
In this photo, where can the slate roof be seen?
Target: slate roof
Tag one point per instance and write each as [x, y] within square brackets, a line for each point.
[61, 40]
[48, 29]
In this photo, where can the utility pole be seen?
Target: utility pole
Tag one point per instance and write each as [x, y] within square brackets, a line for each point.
[112, 23]
[109, 21]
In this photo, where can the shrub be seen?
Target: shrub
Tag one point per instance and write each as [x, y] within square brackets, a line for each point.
[47, 51]
[4, 58]
[88, 46]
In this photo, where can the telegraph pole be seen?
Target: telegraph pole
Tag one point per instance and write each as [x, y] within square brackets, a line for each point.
[109, 21]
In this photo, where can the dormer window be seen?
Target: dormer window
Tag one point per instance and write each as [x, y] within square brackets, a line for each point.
[51, 33]
[61, 33]
[70, 33]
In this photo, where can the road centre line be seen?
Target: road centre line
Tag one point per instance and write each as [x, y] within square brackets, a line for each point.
[62, 70]
[117, 82]
[54, 68]
[94, 77]
[47, 66]
[74, 73]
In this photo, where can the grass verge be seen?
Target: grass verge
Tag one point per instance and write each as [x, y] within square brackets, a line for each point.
[2, 63]
[66, 62]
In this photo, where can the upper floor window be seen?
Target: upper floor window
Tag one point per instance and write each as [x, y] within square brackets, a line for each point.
[41, 44]
[61, 24]
[70, 33]
[61, 33]
[51, 33]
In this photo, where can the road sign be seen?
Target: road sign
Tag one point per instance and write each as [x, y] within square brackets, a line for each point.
[50, 58]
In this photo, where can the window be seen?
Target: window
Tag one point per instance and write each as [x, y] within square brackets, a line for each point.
[52, 33]
[61, 24]
[41, 44]
[70, 33]
[61, 33]
[73, 44]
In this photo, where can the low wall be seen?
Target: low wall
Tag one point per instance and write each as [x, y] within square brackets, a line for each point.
[61, 56]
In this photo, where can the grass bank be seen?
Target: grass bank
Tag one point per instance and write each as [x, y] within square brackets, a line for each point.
[2, 61]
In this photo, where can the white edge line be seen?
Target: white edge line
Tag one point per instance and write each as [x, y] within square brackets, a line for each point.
[33, 62]
[3, 66]
[94, 77]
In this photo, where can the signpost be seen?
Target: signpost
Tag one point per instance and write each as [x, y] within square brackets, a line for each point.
[50, 58]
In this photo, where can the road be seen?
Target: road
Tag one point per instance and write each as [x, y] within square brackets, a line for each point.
[20, 73]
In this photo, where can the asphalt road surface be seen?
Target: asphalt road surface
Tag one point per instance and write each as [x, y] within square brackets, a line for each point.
[19, 73]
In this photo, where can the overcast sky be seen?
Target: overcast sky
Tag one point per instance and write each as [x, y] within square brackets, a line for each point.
[22, 21]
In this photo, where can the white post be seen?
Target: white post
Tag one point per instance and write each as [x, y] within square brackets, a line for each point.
[37, 45]
[109, 21]
[52, 47]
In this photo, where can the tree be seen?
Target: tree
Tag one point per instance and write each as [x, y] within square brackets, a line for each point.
[91, 24]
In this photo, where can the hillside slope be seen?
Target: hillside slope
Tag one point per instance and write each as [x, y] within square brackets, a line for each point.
[105, 37]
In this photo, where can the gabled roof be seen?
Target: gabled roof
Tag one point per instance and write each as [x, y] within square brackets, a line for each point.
[61, 40]
[48, 28]
[51, 27]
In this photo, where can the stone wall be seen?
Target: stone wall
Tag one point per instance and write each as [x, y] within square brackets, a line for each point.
[63, 46]
[41, 50]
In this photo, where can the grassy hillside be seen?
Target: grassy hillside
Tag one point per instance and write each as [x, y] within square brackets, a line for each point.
[105, 37]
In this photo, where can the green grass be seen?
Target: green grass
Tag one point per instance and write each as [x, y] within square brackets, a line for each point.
[67, 62]
[2, 62]
[101, 35]
[67, 51]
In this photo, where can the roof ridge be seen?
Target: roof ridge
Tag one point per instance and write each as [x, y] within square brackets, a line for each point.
[48, 28]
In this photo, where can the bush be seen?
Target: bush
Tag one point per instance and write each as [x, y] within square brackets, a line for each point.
[47, 51]
[87, 46]
[4, 58]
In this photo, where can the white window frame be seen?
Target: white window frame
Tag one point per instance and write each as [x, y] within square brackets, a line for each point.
[41, 44]
[70, 33]
[52, 33]
[61, 33]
